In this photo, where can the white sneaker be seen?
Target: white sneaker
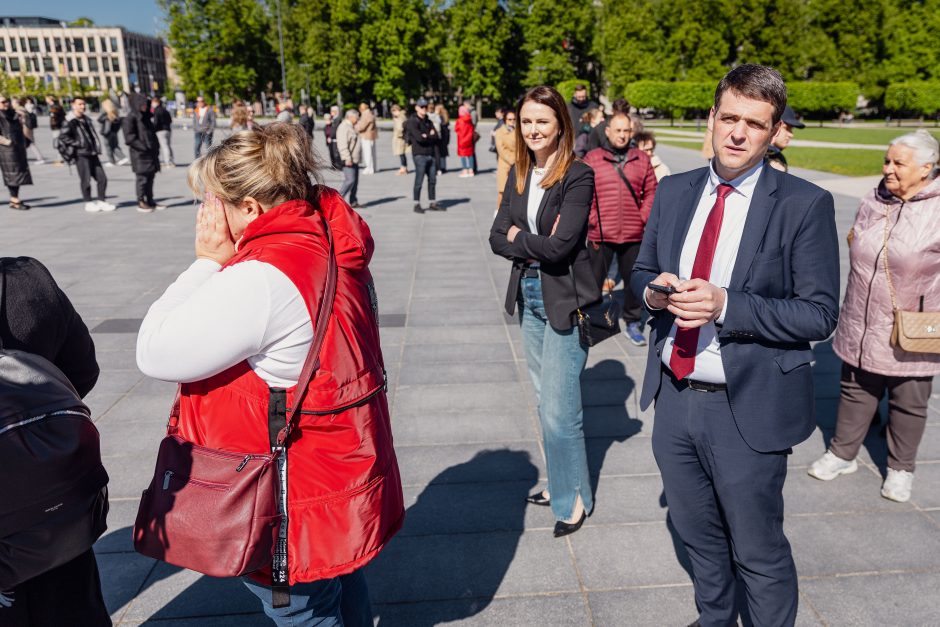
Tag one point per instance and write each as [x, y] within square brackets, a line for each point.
[828, 467]
[92, 206]
[106, 206]
[897, 485]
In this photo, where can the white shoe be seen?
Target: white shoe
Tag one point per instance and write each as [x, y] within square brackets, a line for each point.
[828, 467]
[92, 206]
[106, 206]
[897, 485]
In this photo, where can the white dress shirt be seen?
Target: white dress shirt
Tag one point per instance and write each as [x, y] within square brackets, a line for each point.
[536, 193]
[708, 366]
[210, 319]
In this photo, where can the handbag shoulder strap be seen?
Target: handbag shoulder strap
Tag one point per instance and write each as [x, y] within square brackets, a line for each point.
[623, 176]
[311, 363]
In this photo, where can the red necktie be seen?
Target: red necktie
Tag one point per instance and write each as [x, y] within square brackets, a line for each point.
[682, 361]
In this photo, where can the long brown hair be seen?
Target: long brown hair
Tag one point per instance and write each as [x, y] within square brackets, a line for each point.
[564, 157]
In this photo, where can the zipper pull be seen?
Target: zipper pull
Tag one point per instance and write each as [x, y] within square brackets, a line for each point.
[166, 479]
[244, 463]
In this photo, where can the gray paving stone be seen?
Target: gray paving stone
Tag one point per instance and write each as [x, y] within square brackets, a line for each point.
[616, 556]
[549, 611]
[885, 599]
[852, 543]
[472, 425]
[470, 565]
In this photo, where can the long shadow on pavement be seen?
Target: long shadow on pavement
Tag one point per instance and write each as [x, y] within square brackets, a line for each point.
[459, 540]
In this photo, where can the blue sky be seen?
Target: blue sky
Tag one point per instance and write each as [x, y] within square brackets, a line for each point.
[141, 16]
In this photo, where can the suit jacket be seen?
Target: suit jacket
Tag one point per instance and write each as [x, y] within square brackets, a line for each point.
[564, 260]
[783, 294]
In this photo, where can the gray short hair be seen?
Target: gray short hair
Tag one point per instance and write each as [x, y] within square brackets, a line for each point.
[925, 146]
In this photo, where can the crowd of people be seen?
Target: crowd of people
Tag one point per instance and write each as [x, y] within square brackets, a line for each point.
[731, 269]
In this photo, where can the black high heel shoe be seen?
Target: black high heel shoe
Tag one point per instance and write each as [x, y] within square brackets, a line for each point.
[562, 528]
[538, 498]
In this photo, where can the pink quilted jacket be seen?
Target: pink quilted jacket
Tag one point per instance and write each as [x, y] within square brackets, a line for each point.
[863, 336]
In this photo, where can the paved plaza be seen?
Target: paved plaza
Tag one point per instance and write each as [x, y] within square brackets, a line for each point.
[466, 431]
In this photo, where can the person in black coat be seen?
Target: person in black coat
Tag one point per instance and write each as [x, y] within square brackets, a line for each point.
[541, 226]
[141, 138]
[39, 318]
[13, 160]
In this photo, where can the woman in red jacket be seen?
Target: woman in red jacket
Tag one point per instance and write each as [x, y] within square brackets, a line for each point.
[235, 329]
[466, 138]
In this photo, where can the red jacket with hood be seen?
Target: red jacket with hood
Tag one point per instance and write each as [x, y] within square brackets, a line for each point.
[344, 489]
[622, 219]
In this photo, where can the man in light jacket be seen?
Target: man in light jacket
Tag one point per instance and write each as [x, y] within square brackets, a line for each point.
[368, 133]
[203, 125]
[350, 152]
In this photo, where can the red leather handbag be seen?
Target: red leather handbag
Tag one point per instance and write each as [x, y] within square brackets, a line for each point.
[218, 512]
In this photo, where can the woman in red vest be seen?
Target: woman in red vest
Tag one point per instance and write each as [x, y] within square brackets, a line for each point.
[235, 328]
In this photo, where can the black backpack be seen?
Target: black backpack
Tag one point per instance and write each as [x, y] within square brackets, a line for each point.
[53, 486]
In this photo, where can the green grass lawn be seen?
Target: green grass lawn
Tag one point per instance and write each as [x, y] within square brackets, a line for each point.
[843, 161]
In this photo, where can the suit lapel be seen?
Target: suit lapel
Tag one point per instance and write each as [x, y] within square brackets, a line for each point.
[689, 202]
[758, 216]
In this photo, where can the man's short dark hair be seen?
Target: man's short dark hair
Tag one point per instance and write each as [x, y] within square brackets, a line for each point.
[757, 82]
[620, 105]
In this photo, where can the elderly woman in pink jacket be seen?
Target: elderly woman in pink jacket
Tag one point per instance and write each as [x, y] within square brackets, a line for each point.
[896, 231]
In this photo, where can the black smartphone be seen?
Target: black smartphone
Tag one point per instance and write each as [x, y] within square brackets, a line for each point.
[662, 289]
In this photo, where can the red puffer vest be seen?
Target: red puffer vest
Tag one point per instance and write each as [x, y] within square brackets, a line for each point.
[344, 489]
[621, 219]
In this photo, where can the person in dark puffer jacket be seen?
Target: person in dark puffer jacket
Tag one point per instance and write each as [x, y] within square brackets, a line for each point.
[620, 210]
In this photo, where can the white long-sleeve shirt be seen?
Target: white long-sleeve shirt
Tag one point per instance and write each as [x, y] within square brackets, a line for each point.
[209, 320]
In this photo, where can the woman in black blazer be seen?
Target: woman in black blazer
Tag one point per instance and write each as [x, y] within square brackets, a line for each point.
[541, 227]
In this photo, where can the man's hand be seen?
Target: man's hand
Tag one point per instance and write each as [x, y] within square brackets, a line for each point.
[696, 303]
[213, 237]
[658, 300]
[513, 231]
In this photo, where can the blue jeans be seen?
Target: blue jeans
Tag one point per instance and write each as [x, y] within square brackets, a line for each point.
[556, 360]
[466, 163]
[341, 602]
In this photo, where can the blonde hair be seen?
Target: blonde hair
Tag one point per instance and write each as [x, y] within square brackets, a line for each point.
[107, 105]
[272, 164]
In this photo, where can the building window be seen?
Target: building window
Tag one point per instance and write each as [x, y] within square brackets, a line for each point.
[47, 65]
[91, 44]
[58, 44]
[79, 44]
[114, 44]
[92, 64]
[106, 61]
[14, 64]
[69, 62]
[79, 64]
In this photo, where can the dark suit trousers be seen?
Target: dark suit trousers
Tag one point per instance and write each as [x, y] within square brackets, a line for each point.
[726, 502]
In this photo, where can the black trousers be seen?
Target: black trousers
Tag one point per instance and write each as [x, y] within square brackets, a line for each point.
[726, 503]
[602, 254]
[145, 187]
[425, 165]
[67, 595]
[91, 168]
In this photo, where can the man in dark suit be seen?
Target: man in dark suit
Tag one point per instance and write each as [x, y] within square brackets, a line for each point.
[752, 254]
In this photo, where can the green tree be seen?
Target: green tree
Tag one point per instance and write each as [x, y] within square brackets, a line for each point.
[629, 44]
[221, 45]
[558, 40]
[394, 53]
[478, 49]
